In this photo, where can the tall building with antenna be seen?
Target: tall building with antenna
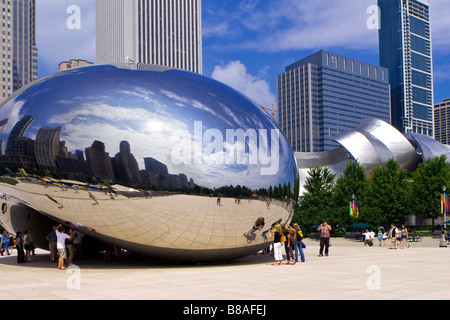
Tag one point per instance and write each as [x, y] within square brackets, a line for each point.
[162, 32]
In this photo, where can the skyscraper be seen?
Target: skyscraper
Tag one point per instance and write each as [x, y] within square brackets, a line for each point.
[406, 50]
[326, 94]
[442, 121]
[162, 32]
[18, 65]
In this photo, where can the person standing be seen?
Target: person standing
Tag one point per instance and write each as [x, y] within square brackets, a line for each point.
[324, 229]
[276, 235]
[380, 236]
[19, 248]
[5, 242]
[298, 245]
[78, 244]
[404, 235]
[70, 249]
[288, 245]
[61, 237]
[51, 238]
[393, 235]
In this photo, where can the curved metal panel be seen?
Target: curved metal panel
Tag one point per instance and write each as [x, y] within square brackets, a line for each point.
[182, 135]
[428, 147]
[395, 141]
[360, 147]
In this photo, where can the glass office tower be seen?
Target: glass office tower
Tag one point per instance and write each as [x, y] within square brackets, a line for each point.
[326, 94]
[19, 63]
[406, 50]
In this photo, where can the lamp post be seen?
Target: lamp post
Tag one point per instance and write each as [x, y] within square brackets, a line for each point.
[443, 242]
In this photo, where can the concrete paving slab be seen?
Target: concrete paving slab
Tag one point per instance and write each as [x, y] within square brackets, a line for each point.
[351, 272]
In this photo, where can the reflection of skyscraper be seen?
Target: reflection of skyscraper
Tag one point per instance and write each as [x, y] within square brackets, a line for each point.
[47, 148]
[99, 161]
[17, 140]
[125, 165]
[405, 48]
[19, 52]
[153, 165]
[159, 32]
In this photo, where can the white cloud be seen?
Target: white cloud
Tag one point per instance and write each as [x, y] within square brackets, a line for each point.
[236, 76]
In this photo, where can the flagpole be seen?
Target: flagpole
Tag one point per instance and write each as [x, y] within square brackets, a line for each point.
[443, 242]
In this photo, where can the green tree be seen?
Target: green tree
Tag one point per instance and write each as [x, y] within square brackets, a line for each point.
[315, 204]
[387, 195]
[351, 183]
[428, 180]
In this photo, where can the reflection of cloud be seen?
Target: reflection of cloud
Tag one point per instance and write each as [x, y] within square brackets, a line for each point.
[182, 101]
[12, 110]
[113, 124]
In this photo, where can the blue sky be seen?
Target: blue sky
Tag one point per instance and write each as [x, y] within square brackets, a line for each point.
[247, 43]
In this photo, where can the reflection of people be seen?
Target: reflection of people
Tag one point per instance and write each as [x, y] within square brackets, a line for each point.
[324, 229]
[52, 199]
[259, 224]
[272, 226]
[93, 197]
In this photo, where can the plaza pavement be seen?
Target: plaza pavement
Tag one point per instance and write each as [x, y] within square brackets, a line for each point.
[351, 272]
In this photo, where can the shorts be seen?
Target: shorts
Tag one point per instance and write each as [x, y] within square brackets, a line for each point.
[62, 253]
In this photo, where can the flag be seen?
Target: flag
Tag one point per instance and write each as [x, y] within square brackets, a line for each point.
[444, 204]
[354, 211]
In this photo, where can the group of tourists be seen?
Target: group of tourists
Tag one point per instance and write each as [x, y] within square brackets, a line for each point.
[397, 236]
[289, 236]
[23, 243]
[64, 246]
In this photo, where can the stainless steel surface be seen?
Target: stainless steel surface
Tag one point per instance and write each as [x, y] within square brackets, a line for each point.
[375, 141]
[372, 143]
[152, 145]
[428, 147]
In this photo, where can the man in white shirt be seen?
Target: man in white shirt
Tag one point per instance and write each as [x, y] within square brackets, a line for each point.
[61, 237]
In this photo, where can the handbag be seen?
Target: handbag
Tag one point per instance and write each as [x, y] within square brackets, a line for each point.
[303, 245]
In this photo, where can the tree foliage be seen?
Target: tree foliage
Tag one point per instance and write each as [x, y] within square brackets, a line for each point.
[351, 185]
[388, 195]
[315, 203]
[428, 180]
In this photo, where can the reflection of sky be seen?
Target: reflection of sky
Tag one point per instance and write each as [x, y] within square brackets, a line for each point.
[145, 108]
